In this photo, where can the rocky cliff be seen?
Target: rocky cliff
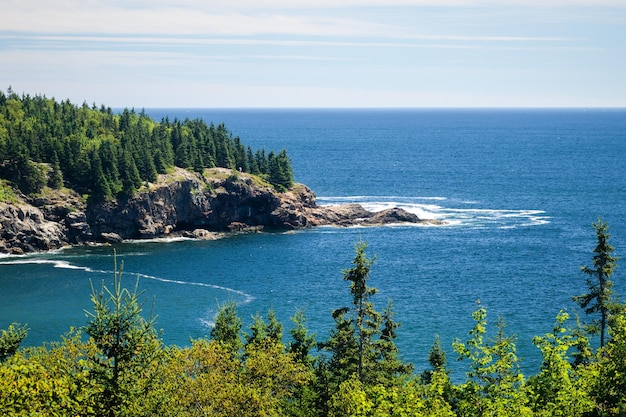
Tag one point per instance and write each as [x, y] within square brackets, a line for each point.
[180, 203]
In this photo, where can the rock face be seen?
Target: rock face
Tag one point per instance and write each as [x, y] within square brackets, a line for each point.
[180, 203]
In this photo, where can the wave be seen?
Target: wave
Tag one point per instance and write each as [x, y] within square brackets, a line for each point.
[160, 240]
[54, 263]
[464, 213]
[247, 298]
[359, 198]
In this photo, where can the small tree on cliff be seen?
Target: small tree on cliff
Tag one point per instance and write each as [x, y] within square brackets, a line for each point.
[280, 171]
[599, 297]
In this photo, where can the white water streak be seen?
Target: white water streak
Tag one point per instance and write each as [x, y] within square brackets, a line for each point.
[465, 213]
[247, 298]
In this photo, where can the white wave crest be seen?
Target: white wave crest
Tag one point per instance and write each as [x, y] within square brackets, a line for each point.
[54, 263]
[247, 297]
[451, 213]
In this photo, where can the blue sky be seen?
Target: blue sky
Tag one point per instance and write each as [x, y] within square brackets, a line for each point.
[317, 53]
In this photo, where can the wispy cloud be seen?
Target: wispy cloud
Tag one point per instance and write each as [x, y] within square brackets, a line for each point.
[176, 40]
[323, 52]
[240, 17]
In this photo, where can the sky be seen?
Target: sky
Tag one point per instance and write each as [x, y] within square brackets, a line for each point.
[317, 53]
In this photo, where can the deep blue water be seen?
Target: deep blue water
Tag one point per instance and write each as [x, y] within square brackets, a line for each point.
[518, 189]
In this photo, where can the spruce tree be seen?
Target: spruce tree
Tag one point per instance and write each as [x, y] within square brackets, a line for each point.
[599, 298]
[128, 347]
[10, 339]
[303, 342]
[362, 342]
[228, 326]
[280, 171]
[56, 177]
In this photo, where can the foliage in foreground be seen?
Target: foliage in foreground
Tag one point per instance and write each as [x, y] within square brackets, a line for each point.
[117, 366]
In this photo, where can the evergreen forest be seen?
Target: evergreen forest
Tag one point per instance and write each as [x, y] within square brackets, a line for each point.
[116, 365]
[104, 155]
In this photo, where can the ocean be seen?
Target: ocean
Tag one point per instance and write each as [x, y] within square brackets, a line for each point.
[517, 189]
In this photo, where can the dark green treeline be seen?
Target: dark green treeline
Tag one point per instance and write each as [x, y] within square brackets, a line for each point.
[106, 155]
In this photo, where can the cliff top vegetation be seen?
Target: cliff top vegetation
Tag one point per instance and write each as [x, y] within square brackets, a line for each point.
[106, 155]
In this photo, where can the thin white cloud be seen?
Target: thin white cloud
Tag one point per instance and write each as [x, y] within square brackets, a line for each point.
[160, 40]
[315, 52]
[334, 4]
[104, 19]
[239, 17]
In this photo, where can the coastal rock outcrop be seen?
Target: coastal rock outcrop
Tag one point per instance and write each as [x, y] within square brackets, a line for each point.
[23, 228]
[181, 203]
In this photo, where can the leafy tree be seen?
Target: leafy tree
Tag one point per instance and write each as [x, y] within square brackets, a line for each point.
[494, 383]
[11, 338]
[207, 380]
[609, 387]
[49, 380]
[559, 389]
[599, 297]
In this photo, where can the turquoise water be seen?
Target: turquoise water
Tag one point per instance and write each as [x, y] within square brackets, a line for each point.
[518, 190]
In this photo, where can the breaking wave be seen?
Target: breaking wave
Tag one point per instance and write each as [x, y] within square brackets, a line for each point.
[450, 212]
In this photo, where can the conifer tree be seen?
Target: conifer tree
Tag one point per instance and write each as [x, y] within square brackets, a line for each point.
[367, 319]
[436, 359]
[280, 172]
[131, 180]
[362, 342]
[11, 338]
[302, 341]
[56, 177]
[128, 346]
[599, 297]
[228, 326]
